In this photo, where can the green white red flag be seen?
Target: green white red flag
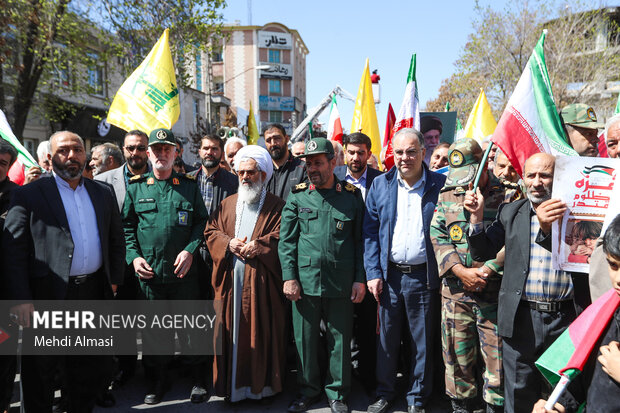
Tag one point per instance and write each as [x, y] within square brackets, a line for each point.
[530, 123]
[24, 159]
[568, 354]
[409, 113]
[334, 126]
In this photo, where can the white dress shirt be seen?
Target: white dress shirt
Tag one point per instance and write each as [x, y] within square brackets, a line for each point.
[408, 243]
[359, 183]
[87, 257]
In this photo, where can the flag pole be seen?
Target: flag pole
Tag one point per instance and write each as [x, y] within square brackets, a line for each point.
[557, 392]
[481, 167]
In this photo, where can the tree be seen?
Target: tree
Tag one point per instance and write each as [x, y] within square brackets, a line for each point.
[53, 48]
[501, 43]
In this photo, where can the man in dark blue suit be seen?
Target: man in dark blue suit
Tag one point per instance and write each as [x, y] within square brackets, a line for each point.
[401, 269]
[364, 344]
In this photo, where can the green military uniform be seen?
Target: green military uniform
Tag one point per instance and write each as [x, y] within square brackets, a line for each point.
[469, 319]
[321, 247]
[161, 218]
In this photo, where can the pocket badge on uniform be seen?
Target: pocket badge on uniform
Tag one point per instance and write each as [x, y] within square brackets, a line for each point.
[339, 225]
[183, 216]
[456, 233]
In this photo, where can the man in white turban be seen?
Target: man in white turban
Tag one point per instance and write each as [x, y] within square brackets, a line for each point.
[242, 236]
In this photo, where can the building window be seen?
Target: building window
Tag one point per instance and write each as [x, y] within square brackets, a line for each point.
[218, 88]
[274, 56]
[275, 86]
[217, 56]
[275, 116]
[196, 111]
[95, 74]
[198, 72]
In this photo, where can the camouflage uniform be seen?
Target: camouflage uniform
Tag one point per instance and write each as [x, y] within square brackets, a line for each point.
[469, 319]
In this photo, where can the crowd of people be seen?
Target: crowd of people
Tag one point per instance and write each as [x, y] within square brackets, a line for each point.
[369, 273]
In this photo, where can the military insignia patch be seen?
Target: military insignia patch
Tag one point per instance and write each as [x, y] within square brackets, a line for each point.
[350, 187]
[456, 233]
[161, 135]
[591, 114]
[456, 158]
[459, 190]
[312, 187]
[311, 146]
[150, 181]
[338, 187]
[183, 217]
[135, 178]
[300, 187]
[339, 225]
[175, 181]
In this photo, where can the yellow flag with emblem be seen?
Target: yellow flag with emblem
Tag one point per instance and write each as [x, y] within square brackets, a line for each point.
[149, 98]
[253, 134]
[481, 122]
[365, 114]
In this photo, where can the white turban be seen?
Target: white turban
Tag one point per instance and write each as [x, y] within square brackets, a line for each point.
[260, 155]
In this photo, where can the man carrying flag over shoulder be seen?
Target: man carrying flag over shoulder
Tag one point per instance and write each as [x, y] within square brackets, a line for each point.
[604, 388]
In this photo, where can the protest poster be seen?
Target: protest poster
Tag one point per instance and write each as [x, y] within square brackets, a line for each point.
[586, 186]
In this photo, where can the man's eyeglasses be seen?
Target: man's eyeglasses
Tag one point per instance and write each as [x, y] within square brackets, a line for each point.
[131, 148]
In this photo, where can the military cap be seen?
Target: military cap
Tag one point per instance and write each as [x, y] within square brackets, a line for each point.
[464, 156]
[580, 115]
[429, 123]
[162, 135]
[317, 146]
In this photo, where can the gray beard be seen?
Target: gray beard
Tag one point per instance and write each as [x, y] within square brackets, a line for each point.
[210, 164]
[64, 173]
[250, 194]
[539, 200]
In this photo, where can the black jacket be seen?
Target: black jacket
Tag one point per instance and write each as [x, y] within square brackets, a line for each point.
[37, 240]
[225, 184]
[293, 172]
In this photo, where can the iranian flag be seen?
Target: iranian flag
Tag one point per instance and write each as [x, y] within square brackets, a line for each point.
[409, 114]
[24, 159]
[334, 128]
[566, 357]
[530, 123]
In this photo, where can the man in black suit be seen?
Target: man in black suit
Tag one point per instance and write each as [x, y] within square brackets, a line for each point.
[535, 301]
[364, 345]
[63, 240]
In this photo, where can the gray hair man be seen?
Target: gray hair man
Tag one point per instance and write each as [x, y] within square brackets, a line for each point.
[105, 157]
[612, 135]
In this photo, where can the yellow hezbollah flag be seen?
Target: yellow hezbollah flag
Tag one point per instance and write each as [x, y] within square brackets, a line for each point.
[149, 98]
[481, 122]
[364, 114]
[253, 134]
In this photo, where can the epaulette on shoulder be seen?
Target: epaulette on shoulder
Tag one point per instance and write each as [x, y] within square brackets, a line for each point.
[350, 187]
[458, 189]
[511, 185]
[136, 178]
[189, 176]
[300, 187]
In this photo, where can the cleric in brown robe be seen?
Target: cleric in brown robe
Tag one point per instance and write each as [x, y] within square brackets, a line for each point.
[242, 237]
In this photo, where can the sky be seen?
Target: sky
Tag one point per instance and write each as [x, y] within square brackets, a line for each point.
[341, 34]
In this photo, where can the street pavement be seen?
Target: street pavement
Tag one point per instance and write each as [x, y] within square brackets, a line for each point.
[130, 398]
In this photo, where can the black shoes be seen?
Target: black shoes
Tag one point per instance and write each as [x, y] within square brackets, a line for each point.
[155, 393]
[199, 394]
[381, 405]
[338, 406]
[105, 399]
[303, 403]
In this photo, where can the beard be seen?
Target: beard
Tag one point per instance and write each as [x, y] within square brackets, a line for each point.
[136, 162]
[540, 198]
[250, 193]
[277, 153]
[210, 163]
[63, 171]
